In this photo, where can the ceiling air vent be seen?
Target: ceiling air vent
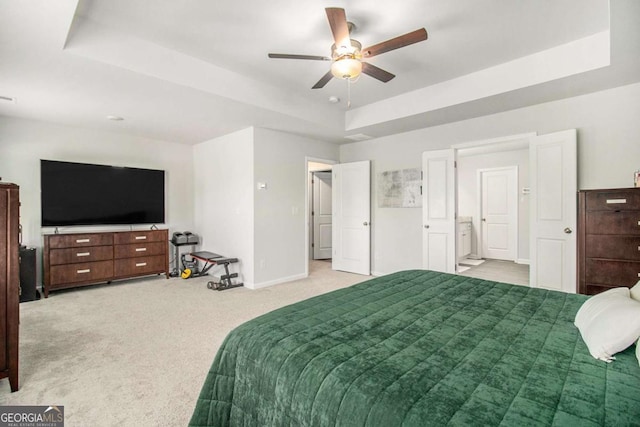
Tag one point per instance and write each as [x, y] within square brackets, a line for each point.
[358, 137]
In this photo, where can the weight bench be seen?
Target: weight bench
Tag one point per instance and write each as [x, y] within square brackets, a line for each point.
[210, 260]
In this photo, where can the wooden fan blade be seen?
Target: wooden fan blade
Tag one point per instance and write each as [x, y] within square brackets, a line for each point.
[395, 43]
[376, 72]
[339, 27]
[288, 56]
[323, 81]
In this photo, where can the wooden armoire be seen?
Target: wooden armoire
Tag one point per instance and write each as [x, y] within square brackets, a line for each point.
[9, 282]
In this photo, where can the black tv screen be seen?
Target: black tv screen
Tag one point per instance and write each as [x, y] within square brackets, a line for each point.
[84, 194]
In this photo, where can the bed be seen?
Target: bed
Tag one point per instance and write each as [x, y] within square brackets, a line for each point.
[419, 348]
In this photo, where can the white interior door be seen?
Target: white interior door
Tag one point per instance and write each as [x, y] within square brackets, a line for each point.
[351, 188]
[553, 169]
[439, 210]
[321, 214]
[499, 205]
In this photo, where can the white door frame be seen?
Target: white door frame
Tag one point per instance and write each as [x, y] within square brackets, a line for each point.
[514, 210]
[307, 212]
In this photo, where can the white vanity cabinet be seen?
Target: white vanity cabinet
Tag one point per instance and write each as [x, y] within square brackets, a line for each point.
[464, 239]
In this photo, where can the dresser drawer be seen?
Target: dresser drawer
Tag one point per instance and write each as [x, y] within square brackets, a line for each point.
[614, 273]
[613, 247]
[140, 249]
[76, 255]
[613, 223]
[138, 266]
[80, 240]
[626, 199]
[140, 236]
[71, 273]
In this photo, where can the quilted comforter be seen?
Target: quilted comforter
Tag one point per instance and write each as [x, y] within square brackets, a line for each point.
[419, 348]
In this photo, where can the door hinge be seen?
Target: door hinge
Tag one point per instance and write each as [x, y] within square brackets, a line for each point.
[455, 164]
[313, 245]
[312, 213]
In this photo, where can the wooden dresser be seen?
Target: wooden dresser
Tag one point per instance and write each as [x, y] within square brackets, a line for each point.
[9, 282]
[72, 260]
[608, 239]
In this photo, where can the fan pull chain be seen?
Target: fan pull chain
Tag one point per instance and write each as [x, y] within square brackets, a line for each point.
[348, 93]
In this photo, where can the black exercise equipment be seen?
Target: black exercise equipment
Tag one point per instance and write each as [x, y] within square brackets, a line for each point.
[210, 259]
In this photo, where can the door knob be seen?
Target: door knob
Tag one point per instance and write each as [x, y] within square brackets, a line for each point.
[484, 219]
[568, 230]
[426, 226]
[365, 223]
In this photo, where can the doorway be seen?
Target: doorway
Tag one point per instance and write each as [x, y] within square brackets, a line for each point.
[321, 215]
[492, 184]
[312, 166]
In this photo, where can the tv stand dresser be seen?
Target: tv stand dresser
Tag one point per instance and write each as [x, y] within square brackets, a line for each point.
[72, 260]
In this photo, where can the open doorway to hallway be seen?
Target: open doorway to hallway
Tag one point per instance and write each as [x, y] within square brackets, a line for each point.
[320, 210]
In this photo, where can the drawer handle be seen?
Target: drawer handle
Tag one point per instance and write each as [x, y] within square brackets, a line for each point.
[616, 201]
[89, 253]
[142, 264]
[144, 249]
[86, 270]
[141, 237]
[83, 240]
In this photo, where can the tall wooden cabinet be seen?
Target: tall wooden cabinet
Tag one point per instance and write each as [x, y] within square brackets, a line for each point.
[9, 282]
[608, 239]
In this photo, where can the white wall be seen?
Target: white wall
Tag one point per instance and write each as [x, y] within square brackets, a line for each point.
[468, 192]
[24, 142]
[608, 154]
[280, 222]
[223, 181]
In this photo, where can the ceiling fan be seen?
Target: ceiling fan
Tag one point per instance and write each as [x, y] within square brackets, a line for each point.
[347, 54]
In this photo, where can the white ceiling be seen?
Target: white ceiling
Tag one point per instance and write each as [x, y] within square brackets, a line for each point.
[191, 71]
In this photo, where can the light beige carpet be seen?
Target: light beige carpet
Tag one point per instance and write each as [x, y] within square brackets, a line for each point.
[135, 353]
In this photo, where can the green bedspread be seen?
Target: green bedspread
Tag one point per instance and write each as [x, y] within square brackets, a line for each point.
[419, 348]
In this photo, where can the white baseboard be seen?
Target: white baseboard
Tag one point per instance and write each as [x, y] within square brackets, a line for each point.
[522, 261]
[275, 282]
[377, 274]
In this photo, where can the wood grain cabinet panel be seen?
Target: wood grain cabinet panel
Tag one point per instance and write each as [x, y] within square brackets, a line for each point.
[9, 283]
[137, 266]
[613, 247]
[612, 200]
[128, 237]
[72, 260]
[71, 273]
[608, 239]
[72, 255]
[80, 240]
[140, 250]
[613, 273]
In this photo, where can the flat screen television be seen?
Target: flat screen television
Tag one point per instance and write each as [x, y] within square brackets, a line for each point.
[86, 194]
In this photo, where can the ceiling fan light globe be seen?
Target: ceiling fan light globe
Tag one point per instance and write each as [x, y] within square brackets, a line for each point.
[346, 68]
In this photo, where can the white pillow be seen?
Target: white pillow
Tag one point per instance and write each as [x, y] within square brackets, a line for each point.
[609, 322]
[635, 291]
